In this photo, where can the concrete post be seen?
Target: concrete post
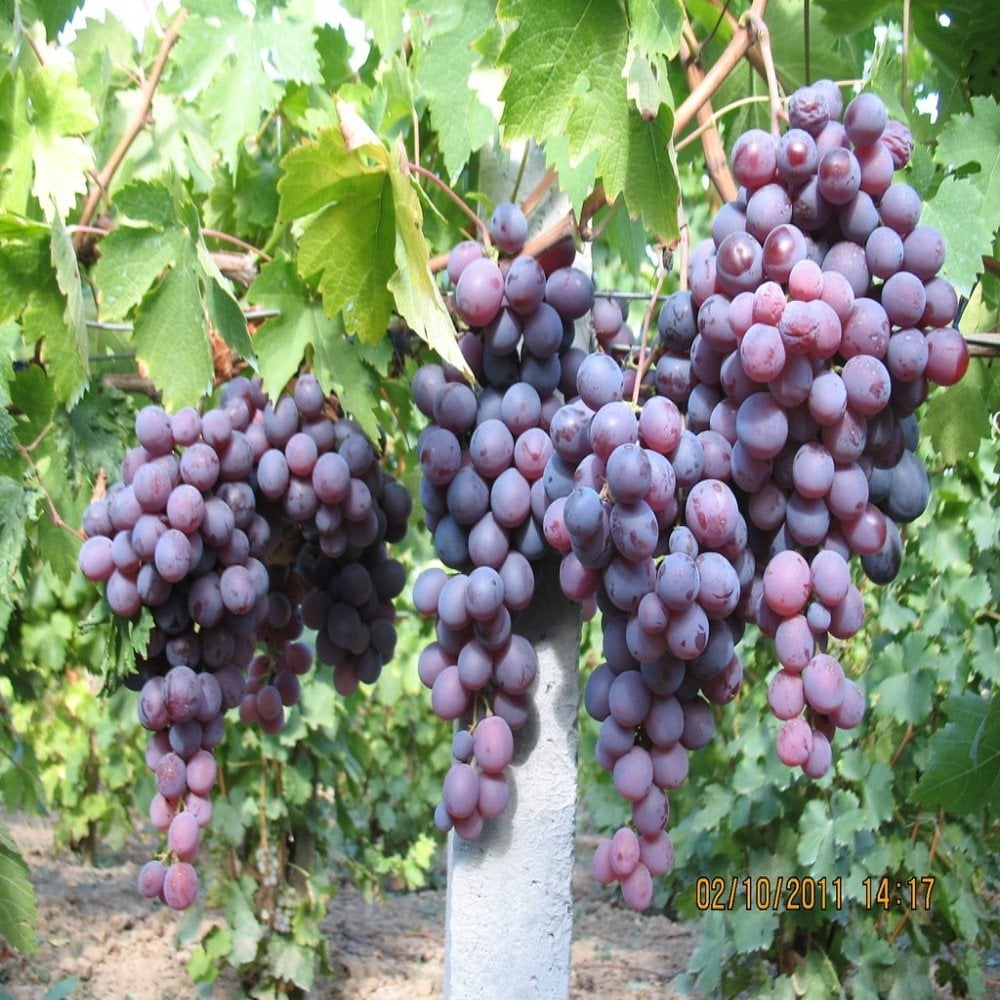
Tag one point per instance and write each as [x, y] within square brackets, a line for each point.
[509, 918]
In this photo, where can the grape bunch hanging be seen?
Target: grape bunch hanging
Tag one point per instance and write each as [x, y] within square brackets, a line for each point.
[729, 482]
[239, 527]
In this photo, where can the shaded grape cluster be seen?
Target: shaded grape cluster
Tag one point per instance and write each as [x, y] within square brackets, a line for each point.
[238, 528]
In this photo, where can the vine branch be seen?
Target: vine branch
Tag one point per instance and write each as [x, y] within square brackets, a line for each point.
[108, 171]
[715, 153]
[744, 37]
[450, 192]
[764, 43]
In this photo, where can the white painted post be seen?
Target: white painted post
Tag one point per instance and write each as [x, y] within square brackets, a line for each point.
[509, 917]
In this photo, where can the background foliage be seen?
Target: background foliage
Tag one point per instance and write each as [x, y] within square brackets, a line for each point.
[238, 185]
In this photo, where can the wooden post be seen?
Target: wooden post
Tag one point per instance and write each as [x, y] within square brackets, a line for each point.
[509, 918]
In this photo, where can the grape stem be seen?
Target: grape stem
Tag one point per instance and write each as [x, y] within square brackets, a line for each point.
[764, 43]
[647, 319]
[538, 192]
[216, 234]
[714, 118]
[685, 246]
[57, 520]
[138, 122]
[753, 55]
[450, 192]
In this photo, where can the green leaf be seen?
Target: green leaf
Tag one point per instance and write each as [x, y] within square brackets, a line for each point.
[224, 311]
[643, 168]
[656, 26]
[350, 246]
[14, 227]
[54, 14]
[958, 418]
[961, 43]
[815, 845]
[384, 18]
[550, 54]
[417, 297]
[282, 341]
[292, 962]
[59, 110]
[241, 66]
[959, 212]
[67, 344]
[338, 366]
[964, 773]
[576, 178]
[172, 339]
[834, 54]
[243, 925]
[462, 122]
[317, 173]
[17, 897]
[10, 338]
[17, 508]
[975, 139]
[300, 326]
[906, 695]
[134, 258]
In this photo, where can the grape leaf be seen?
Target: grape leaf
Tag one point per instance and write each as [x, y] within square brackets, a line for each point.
[18, 506]
[959, 417]
[67, 345]
[14, 227]
[843, 18]
[350, 247]
[649, 172]
[963, 43]
[10, 337]
[171, 338]
[383, 17]
[155, 261]
[576, 178]
[240, 66]
[17, 897]
[964, 771]
[656, 26]
[975, 138]
[552, 89]
[317, 173]
[59, 110]
[462, 122]
[300, 326]
[291, 962]
[549, 56]
[958, 211]
[245, 929]
[417, 296]
[832, 54]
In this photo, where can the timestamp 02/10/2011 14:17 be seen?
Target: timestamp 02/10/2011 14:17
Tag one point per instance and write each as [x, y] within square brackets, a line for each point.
[807, 893]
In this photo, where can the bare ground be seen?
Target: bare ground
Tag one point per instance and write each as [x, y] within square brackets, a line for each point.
[93, 926]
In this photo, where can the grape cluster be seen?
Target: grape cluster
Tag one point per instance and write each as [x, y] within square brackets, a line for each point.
[486, 463]
[818, 320]
[726, 483]
[239, 527]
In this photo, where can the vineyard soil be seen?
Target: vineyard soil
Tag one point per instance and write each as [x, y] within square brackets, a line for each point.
[93, 926]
